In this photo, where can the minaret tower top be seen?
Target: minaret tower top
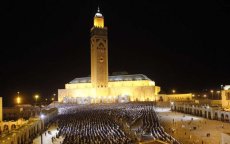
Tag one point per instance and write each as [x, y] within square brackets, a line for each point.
[98, 19]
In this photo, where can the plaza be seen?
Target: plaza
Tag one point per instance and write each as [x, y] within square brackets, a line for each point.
[191, 129]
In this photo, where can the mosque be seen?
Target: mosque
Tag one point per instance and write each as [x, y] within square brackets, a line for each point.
[100, 87]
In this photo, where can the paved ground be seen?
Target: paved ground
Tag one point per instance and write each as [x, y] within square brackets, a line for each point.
[183, 127]
[47, 138]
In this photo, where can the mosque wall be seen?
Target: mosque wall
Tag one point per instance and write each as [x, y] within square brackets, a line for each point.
[128, 91]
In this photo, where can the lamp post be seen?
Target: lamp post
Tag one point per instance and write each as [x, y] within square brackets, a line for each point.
[54, 96]
[218, 92]
[212, 93]
[18, 99]
[36, 98]
[46, 100]
[54, 99]
[173, 91]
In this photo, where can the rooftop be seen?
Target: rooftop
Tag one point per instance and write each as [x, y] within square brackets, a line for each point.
[135, 77]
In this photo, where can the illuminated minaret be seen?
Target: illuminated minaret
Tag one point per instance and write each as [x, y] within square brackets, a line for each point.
[99, 52]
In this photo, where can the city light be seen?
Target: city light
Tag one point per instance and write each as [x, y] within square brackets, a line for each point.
[205, 95]
[36, 98]
[173, 91]
[212, 93]
[218, 93]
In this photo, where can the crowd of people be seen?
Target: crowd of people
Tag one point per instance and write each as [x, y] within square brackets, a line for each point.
[143, 120]
[89, 125]
[104, 123]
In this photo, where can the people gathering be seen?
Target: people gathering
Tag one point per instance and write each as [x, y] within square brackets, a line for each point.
[108, 123]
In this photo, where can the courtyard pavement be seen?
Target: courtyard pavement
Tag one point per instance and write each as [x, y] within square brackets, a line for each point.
[189, 129]
[47, 137]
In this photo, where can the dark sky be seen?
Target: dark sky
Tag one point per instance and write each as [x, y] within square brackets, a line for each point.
[178, 44]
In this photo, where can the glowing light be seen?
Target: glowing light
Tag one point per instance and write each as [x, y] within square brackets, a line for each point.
[42, 116]
[99, 22]
[99, 19]
[36, 96]
[18, 100]
[173, 91]
[227, 87]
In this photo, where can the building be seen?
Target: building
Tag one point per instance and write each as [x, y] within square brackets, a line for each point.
[20, 131]
[225, 94]
[24, 111]
[207, 108]
[1, 118]
[100, 87]
[24, 131]
[175, 97]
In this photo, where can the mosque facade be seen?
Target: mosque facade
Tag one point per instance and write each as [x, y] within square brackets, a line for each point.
[100, 87]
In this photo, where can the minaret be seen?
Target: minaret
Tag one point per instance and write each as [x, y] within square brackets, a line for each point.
[99, 52]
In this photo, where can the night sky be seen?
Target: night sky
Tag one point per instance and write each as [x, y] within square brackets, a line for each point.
[181, 45]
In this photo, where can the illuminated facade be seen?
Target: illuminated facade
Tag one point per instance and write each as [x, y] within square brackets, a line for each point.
[175, 97]
[100, 87]
[225, 94]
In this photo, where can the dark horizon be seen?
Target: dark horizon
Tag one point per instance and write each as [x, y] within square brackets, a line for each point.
[179, 45]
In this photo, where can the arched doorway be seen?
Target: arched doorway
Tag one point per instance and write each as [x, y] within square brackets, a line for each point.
[209, 115]
[216, 116]
[5, 128]
[201, 113]
[161, 98]
[222, 117]
[13, 126]
[226, 118]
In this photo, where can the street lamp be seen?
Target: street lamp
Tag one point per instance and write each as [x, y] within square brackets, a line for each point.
[54, 99]
[205, 95]
[193, 95]
[54, 95]
[212, 93]
[173, 91]
[218, 92]
[46, 100]
[18, 99]
[36, 98]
